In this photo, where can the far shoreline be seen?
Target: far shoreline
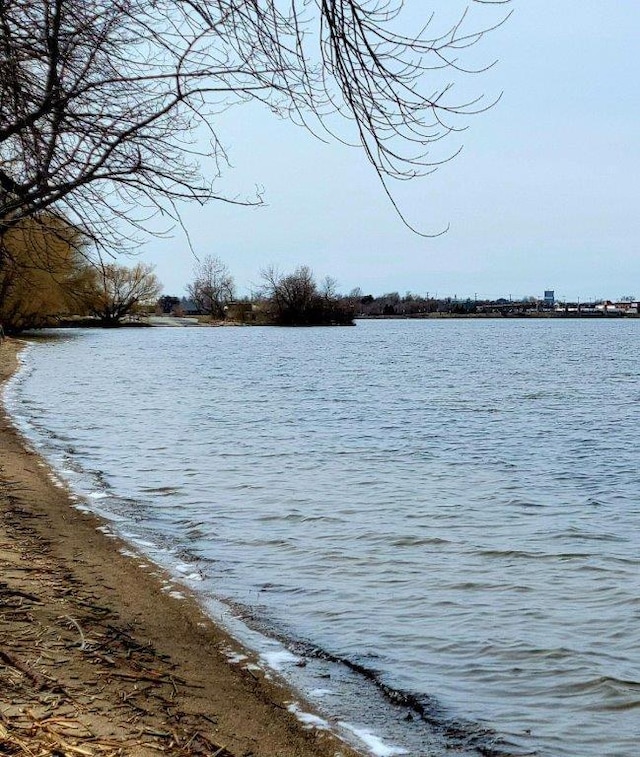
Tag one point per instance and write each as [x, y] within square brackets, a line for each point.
[194, 322]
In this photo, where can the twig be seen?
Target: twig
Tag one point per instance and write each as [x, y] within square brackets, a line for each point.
[40, 681]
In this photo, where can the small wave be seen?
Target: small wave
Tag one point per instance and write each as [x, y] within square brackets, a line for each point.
[524, 555]
[576, 533]
[418, 541]
[162, 491]
[604, 694]
[295, 516]
[606, 686]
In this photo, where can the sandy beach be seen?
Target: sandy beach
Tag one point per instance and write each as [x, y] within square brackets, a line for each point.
[96, 659]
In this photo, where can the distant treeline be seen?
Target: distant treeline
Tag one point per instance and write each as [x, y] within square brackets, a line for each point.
[392, 304]
[411, 305]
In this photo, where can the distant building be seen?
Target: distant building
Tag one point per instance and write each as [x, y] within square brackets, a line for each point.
[549, 297]
[189, 307]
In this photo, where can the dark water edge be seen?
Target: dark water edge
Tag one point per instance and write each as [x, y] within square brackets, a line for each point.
[416, 724]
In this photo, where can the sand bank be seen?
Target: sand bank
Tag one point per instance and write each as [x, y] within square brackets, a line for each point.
[96, 659]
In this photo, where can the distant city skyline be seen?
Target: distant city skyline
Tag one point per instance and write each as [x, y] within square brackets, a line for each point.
[543, 195]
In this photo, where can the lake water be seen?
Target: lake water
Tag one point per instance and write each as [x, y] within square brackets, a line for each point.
[440, 514]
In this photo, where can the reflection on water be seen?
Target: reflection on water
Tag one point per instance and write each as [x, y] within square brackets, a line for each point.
[451, 506]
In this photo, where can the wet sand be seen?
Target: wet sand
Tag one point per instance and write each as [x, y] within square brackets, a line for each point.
[97, 659]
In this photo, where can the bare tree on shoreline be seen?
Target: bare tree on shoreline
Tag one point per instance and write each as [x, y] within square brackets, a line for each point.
[115, 291]
[212, 287]
[295, 299]
[101, 100]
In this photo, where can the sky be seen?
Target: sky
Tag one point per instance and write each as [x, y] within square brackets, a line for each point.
[544, 194]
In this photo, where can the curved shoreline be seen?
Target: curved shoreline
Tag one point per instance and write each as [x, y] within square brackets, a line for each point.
[95, 658]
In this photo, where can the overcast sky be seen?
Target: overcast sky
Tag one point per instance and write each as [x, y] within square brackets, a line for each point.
[543, 196]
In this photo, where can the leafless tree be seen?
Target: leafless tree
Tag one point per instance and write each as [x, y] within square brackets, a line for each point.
[116, 291]
[294, 299]
[292, 293]
[212, 287]
[101, 100]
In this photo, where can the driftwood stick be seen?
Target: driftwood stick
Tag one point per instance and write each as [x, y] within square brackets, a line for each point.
[36, 678]
[8, 591]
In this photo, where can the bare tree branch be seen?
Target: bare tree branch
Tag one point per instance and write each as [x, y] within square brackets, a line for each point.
[101, 101]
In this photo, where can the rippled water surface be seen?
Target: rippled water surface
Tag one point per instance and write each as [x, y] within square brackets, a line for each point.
[452, 506]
